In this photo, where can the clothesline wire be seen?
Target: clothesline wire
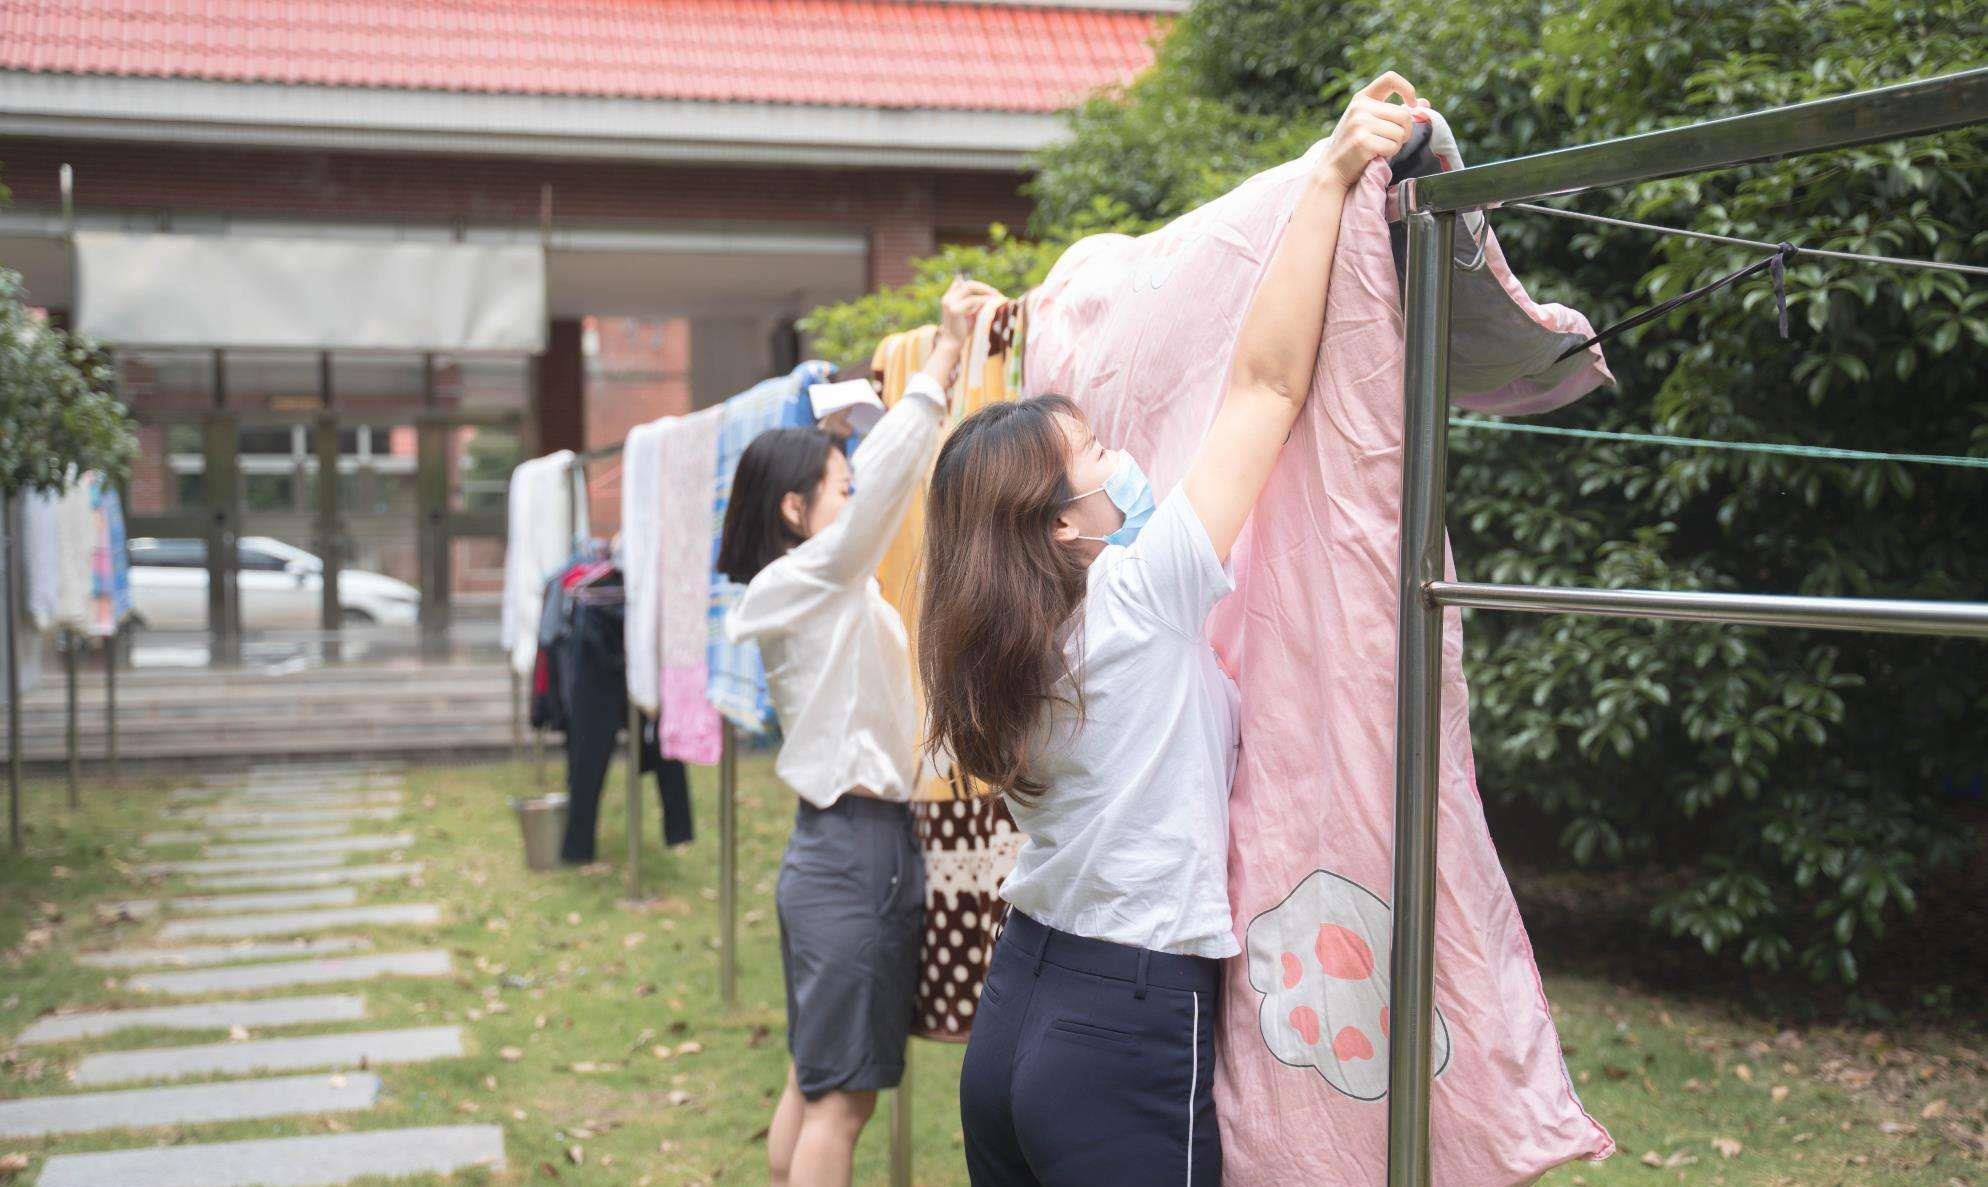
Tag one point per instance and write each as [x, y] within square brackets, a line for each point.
[1858, 257]
[1806, 451]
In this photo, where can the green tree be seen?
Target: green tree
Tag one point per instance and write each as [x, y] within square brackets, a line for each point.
[1787, 783]
[57, 412]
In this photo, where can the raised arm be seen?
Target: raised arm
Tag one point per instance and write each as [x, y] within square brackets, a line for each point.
[897, 454]
[1278, 346]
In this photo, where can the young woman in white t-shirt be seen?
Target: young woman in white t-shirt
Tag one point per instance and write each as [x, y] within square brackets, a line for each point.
[1063, 658]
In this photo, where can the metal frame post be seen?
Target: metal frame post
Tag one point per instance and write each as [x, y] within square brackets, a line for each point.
[728, 868]
[1429, 206]
[10, 509]
[112, 646]
[1418, 698]
[71, 641]
[517, 713]
[329, 521]
[634, 802]
[900, 1127]
[538, 757]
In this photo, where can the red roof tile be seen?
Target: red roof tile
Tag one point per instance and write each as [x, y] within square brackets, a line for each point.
[851, 53]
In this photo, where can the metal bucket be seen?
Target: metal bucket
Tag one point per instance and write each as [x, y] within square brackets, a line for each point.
[542, 820]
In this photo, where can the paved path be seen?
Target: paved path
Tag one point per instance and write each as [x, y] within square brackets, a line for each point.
[280, 846]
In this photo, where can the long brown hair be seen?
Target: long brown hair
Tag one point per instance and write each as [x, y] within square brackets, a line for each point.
[999, 589]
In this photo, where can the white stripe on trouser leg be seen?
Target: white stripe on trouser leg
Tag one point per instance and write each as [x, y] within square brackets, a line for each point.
[1193, 1082]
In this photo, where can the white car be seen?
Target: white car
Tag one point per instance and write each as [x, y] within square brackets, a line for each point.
[281, 587]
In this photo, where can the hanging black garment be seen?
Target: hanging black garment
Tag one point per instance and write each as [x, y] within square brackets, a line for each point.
[589, 673]
[547, 713]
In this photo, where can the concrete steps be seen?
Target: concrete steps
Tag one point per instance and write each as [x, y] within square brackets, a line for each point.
[223, 717]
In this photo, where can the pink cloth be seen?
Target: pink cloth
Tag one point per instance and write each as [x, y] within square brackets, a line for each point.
[687, 727]
[1140, 332]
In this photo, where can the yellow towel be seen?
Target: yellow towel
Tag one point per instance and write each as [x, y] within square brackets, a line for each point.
[983, 379]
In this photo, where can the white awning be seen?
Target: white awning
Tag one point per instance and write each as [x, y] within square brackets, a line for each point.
[312, 294]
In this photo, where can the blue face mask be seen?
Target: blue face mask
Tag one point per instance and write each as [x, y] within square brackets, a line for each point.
[1128, 491]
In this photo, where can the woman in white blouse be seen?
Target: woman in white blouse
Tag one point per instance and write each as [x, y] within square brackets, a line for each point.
[805, 536]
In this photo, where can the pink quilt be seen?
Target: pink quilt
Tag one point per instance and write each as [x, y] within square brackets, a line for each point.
[1140, 332]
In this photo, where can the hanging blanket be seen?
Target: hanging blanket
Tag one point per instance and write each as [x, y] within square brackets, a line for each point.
[1140, 333]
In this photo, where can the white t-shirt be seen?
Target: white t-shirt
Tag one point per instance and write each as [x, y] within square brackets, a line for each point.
[1130, 842]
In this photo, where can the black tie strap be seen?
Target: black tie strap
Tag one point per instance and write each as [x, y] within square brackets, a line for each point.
[1776, 264]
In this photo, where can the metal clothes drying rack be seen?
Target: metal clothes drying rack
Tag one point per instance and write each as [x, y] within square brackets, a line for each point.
[72, 642]
[1430, 205]
[728, 832]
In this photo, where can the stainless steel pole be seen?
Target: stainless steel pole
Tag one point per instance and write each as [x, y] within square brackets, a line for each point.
[70, 641]
[112, 646]
[10, 514]
[634, 802]
[900, 1128]
[728, 869]
[1418, 698]
[517, 714]
[1883, 616]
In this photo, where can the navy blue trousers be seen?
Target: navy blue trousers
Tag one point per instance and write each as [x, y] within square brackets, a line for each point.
[1091, 1065]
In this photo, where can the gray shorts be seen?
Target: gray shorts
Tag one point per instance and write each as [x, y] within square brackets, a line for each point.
[852, 911]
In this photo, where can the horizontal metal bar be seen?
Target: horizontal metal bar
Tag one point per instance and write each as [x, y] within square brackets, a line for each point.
[1890, 616]
[1886, 113]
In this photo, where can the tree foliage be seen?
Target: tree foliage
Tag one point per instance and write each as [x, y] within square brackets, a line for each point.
[57, 412]
[1788, 782]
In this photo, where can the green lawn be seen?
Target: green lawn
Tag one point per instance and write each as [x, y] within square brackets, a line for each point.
[600, 1047]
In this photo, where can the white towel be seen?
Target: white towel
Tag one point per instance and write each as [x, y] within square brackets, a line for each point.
[75, 553]
[544, 521]
[642, 462]
[41, 558]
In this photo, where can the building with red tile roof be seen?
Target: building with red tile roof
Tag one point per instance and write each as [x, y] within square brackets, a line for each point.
[696, 173]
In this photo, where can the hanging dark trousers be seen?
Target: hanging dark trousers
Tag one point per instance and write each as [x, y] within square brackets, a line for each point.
[594, 688]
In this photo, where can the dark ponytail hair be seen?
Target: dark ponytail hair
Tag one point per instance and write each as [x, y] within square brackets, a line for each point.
[999, 589]
[778, 463]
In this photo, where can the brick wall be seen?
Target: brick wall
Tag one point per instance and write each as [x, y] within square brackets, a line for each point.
[901, 209]
[637, 369]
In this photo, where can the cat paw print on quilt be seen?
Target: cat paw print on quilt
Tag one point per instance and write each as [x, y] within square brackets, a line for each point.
[1320, 960]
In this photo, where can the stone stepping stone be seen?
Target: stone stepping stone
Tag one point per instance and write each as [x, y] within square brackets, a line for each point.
[211, 954]
[228, 904]
[195, 795]
[360, 1049]
[286, 1162]
[243, 865]
[384, 871]
[281, 924]
[302, 774]
[221, 797]
[270, 849]
[140, 1108]
[313, 803]
[353, 796]
[213, 817]
[326, 970]
[299, 786]
[292, 832]
[278, 1011]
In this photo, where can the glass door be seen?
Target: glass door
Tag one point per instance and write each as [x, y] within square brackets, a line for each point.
[292, 507]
